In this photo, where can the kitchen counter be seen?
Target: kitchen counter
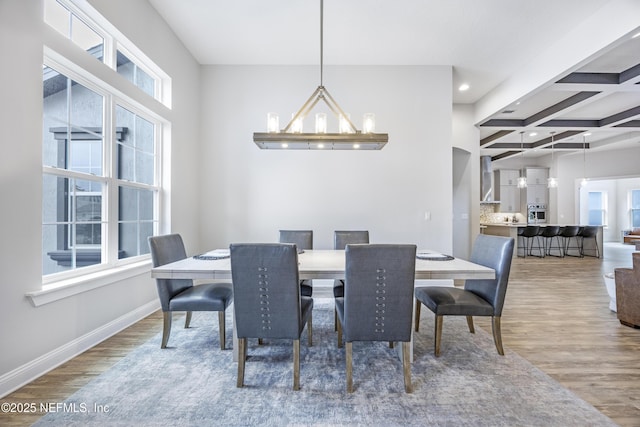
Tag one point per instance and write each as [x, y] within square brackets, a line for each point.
[510, 229]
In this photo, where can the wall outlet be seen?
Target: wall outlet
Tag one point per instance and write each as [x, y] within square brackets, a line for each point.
[427, 216]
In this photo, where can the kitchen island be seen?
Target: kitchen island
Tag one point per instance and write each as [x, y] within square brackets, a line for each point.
[510, 229]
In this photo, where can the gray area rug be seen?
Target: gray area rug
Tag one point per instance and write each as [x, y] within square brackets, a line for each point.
[194, 383]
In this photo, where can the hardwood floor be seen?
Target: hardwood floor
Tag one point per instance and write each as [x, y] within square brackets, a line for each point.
[556, 316]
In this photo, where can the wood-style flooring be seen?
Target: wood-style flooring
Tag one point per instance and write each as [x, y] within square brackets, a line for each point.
[556, 316]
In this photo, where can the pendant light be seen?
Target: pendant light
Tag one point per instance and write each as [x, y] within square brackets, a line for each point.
[552, 182]
[522, 180]
[348, 137]
[584, 181]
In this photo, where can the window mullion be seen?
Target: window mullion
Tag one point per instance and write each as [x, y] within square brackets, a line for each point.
[111, 209]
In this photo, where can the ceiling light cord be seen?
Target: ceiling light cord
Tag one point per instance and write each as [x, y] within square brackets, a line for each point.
[321, 40]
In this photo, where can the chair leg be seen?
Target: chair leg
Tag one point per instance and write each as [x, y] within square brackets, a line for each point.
[335, 319]
[339, 325]
[310, 330]
[391, 344]
[418, 304]
[438, 334]
[221, 326]
[406, 367]
[166, 328]
[187, 319]
[470, 324]
[349, 362]
[296, 364]
[497, 334]
[242, 356]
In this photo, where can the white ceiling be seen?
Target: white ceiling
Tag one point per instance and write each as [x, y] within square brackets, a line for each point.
[486, 41]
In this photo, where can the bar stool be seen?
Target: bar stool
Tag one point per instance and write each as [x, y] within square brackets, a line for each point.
[529, 236]
[570, 232]
[589, 232]
[548, 234]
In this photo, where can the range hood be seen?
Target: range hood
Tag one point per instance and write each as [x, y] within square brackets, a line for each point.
[486, 180]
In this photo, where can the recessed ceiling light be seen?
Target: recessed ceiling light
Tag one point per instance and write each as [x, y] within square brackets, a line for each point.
[463, 87]
[587, 134]
[533, 133]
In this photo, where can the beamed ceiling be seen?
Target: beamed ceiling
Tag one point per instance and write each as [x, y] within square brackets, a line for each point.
[596, 107]
[569, 67]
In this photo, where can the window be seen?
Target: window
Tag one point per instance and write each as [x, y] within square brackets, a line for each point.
[100, 155]
[135, 170]
[596, 206]
[133, 72]
[635, 208]
[68, 19]
[71, 26]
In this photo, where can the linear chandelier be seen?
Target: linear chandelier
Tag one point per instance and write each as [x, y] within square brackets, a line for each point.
[293, 137]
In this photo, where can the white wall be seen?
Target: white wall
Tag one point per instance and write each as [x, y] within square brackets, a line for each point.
[599, 165]
[249, 194]
[466, 182]
[34, 338]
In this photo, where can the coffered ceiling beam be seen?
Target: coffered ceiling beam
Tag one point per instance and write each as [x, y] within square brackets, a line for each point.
[495, 136]
[630, 74]
[603, 78]
[557, 108]
[560, 107]
[504, 155]
[625, 118]
[620, 117]
[533, 145]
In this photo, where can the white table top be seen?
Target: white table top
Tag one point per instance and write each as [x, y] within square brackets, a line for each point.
[320, 264]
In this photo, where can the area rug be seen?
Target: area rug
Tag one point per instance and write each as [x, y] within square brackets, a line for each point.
[193, 383]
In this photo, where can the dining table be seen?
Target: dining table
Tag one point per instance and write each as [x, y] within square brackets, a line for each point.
[320, 264]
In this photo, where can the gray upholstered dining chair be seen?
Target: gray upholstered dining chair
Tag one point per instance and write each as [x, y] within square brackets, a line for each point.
[267, 299]
[181, 294]
[340, 240]
[377, 301]
[303, 239]
[480, 297]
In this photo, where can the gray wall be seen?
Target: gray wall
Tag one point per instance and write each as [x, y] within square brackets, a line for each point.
[250, 194]
[35, 338]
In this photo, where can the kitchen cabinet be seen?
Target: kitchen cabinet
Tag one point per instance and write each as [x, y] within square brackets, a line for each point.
[507, 191]
[537, 192]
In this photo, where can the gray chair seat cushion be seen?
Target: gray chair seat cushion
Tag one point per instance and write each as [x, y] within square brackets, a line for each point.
[338, 288]
[453, 301]
[205, 297]
[306, 289]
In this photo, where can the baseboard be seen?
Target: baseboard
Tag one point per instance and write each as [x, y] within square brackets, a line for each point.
[28, 372]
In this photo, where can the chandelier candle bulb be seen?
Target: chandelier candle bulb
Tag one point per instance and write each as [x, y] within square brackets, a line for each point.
[273, 123]
[321, 123]
[369, 123]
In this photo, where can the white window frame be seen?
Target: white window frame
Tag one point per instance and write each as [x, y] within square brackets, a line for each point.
[59, 54]
[631, 209]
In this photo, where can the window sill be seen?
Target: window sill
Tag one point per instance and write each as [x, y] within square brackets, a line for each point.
[70, 287]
